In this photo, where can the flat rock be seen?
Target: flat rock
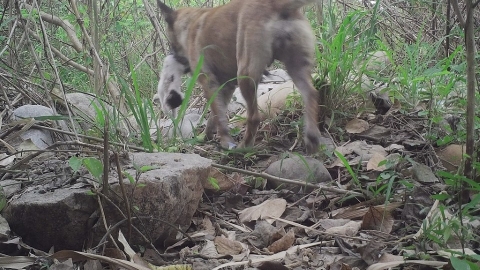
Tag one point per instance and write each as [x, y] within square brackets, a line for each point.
[10, 186]
[305, 169]
[422, 173]
[28, 111]
[4, 229]
[169, 195]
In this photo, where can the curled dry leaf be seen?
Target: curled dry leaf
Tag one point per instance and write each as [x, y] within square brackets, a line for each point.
[356, 126]
[349, 229]
[226, 246]
[283, 243]
[377, 219]
[270, 208]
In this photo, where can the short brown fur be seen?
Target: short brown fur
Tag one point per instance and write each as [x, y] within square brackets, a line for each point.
[239, 40]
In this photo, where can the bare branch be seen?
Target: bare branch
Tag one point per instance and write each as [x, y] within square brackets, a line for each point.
[66, 25]
[151, 16]
[461, 20]
[60, 55]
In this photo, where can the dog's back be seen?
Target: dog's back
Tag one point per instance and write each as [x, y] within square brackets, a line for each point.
[238, 41]
[215, 31]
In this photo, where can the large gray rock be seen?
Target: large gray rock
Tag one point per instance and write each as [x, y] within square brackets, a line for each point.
[170, 196]
[296, 168]
[186, 127]
[28, 111]
[86, 106]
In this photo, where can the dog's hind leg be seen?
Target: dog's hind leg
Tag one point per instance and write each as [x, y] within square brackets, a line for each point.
[299, 69]
[252, 59]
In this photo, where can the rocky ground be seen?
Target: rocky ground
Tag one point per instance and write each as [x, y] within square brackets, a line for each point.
[364, 202]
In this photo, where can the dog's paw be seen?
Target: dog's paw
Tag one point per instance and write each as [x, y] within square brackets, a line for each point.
[229, 145]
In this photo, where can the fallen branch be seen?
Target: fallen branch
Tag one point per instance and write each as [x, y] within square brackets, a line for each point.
[297, 182]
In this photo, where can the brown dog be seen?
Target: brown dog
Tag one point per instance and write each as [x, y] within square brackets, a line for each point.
[239, 40]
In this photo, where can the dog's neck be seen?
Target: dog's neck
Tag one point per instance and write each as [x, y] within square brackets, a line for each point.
[182, 25]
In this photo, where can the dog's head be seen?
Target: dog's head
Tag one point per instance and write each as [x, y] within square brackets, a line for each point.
[176, 30]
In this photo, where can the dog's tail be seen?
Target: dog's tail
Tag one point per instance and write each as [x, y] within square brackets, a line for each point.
[167, 11]
[293, 5]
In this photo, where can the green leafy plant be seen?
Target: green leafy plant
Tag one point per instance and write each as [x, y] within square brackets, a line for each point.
[93, 165]
[340, 48]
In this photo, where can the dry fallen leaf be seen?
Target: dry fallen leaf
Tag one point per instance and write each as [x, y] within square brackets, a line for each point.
[389, 265]
[6, 160]
[377, 219]
[372, 164]
[270, 208]
[272, 266]
[226, 246]
[83, 256]
[221, 182]
[209, 249]
[283, 243]
[338, 265]
[394, 146]
[370, 253]
[363, 151]
[451, 156]
[349, 229]
[356, 126]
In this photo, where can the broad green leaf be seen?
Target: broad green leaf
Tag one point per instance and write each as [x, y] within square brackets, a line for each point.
[460, 264]
[129, 177]
[75, 163]
[94, 166]
[441, 196]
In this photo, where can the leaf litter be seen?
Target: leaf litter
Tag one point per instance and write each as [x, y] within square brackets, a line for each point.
[244, 224]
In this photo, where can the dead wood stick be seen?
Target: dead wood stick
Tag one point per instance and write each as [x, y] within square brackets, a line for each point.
[89, 137]
[287, 181]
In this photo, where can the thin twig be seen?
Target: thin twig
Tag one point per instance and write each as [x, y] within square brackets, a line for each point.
[287, 181]
[106, 158]
[89, 137]
[461, 20]
[124, 194]
[104, 219]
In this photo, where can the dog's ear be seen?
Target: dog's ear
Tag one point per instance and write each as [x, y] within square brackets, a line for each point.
[168, 12]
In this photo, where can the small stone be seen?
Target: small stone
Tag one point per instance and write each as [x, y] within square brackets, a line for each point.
[296, 168]
[423, 173]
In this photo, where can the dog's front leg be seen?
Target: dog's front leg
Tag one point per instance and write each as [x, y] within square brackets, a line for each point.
[218, 119]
